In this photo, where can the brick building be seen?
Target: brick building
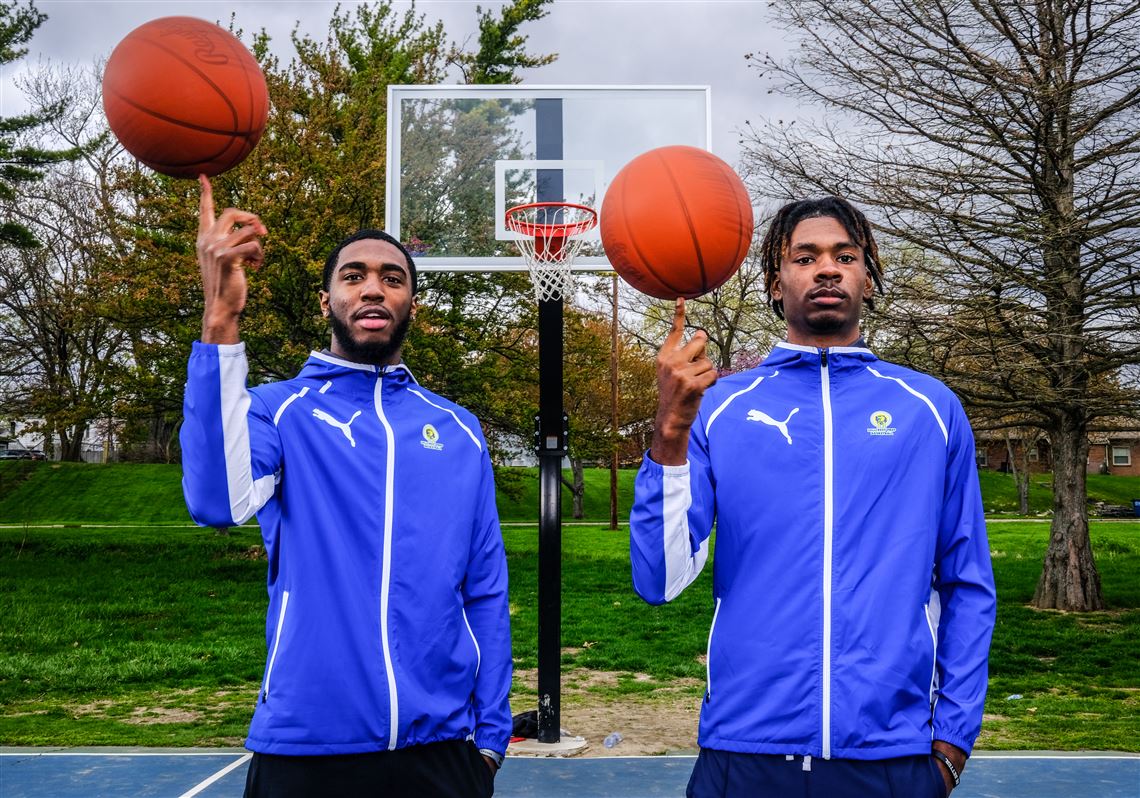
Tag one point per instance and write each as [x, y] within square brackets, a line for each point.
[1111, 451]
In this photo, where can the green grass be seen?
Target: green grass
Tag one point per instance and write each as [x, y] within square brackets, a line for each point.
[116, 493]
[39, 492]
[126, 493]
[132, 636]
[518, 494]
[999, 491]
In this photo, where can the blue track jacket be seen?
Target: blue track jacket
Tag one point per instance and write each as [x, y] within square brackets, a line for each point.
[388, 622]
[854, 597]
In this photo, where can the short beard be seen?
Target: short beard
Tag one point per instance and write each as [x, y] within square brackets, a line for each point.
[826, 324]
[379, 353]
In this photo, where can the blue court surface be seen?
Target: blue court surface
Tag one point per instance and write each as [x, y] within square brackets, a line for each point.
[220, 773]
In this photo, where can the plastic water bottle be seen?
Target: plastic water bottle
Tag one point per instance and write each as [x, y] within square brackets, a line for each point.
[612, 739]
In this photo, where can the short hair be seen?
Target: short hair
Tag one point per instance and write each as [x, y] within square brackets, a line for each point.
[779, 238]
[359, 235]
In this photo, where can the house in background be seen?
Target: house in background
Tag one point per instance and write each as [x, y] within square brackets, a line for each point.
[19, 435]
[1111, 450]
[1115, 452]
[993, 448]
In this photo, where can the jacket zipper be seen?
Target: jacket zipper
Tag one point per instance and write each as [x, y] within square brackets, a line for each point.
[828, 528]
[708, 651]
[386, 568]
[276, 644]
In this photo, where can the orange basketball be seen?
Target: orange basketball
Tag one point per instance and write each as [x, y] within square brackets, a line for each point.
[676, 222]
[185, 97]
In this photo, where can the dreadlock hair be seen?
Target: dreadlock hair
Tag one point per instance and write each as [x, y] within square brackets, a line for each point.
[779, 238]
[379, 235]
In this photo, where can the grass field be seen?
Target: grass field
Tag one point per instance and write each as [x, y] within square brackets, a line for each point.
[152, 636]
[120, 493]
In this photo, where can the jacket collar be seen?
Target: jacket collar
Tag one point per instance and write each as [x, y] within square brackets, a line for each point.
[326, 363]
[786, 354]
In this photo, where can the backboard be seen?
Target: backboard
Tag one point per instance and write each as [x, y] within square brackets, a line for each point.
[460, 156]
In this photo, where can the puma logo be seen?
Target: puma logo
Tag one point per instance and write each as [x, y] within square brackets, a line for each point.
[782, 426]
[342, 426]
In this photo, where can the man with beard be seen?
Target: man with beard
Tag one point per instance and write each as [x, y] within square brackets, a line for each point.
[854, 598]
[388, 642]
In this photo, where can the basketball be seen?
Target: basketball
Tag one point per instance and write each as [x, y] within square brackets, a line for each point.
[676, 222]
[185, 97]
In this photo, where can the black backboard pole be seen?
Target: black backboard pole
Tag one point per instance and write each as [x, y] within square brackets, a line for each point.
[551, 436]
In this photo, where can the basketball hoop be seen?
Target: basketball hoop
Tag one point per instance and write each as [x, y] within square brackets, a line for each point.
[552, 237]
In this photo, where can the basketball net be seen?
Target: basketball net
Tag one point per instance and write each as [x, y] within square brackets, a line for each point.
[552, 238]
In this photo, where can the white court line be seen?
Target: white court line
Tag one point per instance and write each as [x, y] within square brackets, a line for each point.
[118, 753]
[221, 773]
[976, 755]
[984, 755]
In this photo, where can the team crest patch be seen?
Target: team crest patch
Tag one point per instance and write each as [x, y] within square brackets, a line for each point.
[431, 438]
[881, 423]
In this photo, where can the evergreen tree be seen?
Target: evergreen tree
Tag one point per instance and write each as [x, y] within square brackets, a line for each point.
[20, 161]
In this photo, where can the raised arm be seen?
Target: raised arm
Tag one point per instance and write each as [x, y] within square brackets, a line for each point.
[230, 448]
[226, 243]
[684, 373]
[673, 504]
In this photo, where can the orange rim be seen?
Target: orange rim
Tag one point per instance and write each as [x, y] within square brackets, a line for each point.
[516, 222]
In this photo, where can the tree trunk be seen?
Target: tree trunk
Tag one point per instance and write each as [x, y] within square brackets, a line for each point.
[71, 442]
[1020, 473]
[1069, 579]
[578, 486]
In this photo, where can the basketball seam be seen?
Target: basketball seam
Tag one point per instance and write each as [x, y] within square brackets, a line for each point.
[240, 54]
[233, 134]
[688, 221]
[205, 78]
[730, 177]
[629, 235]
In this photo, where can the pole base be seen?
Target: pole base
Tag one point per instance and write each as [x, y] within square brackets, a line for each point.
[566, 746]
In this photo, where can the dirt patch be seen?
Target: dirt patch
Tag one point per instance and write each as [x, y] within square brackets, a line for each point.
[146, 716]
[97, 708]
[660, 718]
[647, 727]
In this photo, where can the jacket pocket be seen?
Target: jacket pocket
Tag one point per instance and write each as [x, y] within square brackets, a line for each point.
[932, 611]
[276, 645]
[708, 653]
[474, 641]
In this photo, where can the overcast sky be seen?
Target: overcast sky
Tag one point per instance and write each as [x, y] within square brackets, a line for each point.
[612, 42]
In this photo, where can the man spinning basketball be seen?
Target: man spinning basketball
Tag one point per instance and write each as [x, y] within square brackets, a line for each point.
[854, 598]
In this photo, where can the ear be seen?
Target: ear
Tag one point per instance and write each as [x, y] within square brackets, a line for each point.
[868, 284]
[777, 291]
[324, 299]
[415, 305]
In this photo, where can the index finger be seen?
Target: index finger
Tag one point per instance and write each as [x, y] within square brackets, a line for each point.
[205, 205]
[677, 331]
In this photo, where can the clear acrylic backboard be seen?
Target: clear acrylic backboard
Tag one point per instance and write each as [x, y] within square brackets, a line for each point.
[460, 156]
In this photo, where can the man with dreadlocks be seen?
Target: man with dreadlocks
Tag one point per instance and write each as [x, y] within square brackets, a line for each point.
[854, 598]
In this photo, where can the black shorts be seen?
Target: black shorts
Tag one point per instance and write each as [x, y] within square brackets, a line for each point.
[451, 769]
[725, 774]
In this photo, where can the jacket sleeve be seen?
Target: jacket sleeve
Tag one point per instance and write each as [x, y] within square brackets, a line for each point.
[230, 447]
[671, 521]
[485, 605]
[965, 584]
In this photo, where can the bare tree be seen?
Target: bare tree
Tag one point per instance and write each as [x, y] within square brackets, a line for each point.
[1001, 140]
[740, 327]
[58, 353]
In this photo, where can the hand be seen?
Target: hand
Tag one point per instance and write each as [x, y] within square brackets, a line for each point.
[684, 373]
[955, 755]
[491, 764]
[946, 777]
[225, 244]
